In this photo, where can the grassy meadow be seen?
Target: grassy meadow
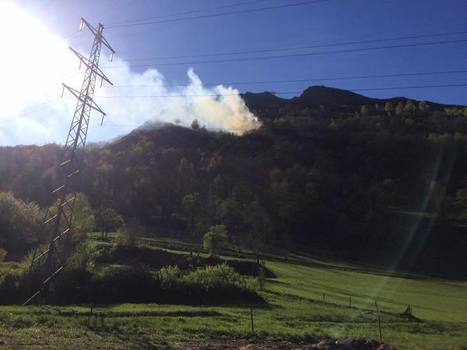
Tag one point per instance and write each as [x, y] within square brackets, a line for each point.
[309, 299]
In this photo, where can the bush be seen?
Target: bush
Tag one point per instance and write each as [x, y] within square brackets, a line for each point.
[169, 276]
[217, 276]
[84, 256]
[158, 259]
[123, 237]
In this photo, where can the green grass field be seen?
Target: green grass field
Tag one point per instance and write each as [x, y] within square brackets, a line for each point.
[309, 299]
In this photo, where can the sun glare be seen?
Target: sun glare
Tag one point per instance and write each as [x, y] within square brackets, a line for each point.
[33, 60]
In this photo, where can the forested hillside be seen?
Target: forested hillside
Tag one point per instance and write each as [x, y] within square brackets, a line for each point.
[381, 181]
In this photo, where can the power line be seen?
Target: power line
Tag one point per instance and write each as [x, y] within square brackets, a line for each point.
[241, 3]
[186, 95]
[351, 77]
[306, 54]
[288, 92]
[306, 47]
[221, 14]
[410, 87]
[27, 111]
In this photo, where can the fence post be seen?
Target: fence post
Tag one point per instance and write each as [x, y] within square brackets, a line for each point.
[90, 315]
[379, 322]
[252, 321]
[350, 301]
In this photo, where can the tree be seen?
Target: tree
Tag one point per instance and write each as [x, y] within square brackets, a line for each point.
[409, 108]
[259, 227]
[131, 232]
[423, 107]
[215, 239]
[364, 110]
[192, 213]
[399, 108]
[389, 108]
[195, 124]
[83, 216]
[20, 224]
[107, 220]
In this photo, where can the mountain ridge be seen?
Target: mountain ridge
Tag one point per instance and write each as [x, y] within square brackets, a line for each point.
[320, 95]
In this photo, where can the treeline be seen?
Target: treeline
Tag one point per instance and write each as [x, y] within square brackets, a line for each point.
[369, 182]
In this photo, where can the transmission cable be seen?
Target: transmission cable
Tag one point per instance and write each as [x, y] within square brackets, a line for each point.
[306, 47]
[217, 95]
[350, 77]
[306, 54]
[241, 3]
[140, 23]
[27, 111]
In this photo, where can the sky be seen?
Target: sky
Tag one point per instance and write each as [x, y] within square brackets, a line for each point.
[147, 54]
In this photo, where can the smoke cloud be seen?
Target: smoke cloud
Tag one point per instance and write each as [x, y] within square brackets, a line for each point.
[33, 113]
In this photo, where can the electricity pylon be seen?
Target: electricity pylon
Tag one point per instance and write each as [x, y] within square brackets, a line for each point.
[60, 220]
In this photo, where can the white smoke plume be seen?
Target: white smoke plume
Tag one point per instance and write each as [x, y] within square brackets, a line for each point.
[31, 111]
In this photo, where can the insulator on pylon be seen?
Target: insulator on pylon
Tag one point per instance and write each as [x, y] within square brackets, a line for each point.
[112, 57]
[73, 173]
[58, 189]
[81, 25]
[50, 219]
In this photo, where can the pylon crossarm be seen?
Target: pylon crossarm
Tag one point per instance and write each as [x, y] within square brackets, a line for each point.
[96, 33]
[90, 102]
[89, 25]
[91, 66]
[107, 45]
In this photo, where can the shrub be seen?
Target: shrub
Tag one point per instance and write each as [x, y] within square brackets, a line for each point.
[123, 237]
[169, 276]
[217, 276]
[84, 256]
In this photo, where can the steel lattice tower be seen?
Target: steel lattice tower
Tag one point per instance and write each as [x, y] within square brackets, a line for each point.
[53, 260]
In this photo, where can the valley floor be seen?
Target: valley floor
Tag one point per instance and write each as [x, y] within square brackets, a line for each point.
[309, 300]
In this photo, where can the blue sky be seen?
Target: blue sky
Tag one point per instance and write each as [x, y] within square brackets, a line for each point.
[327, 22]
[32, 72]
[333, 21]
